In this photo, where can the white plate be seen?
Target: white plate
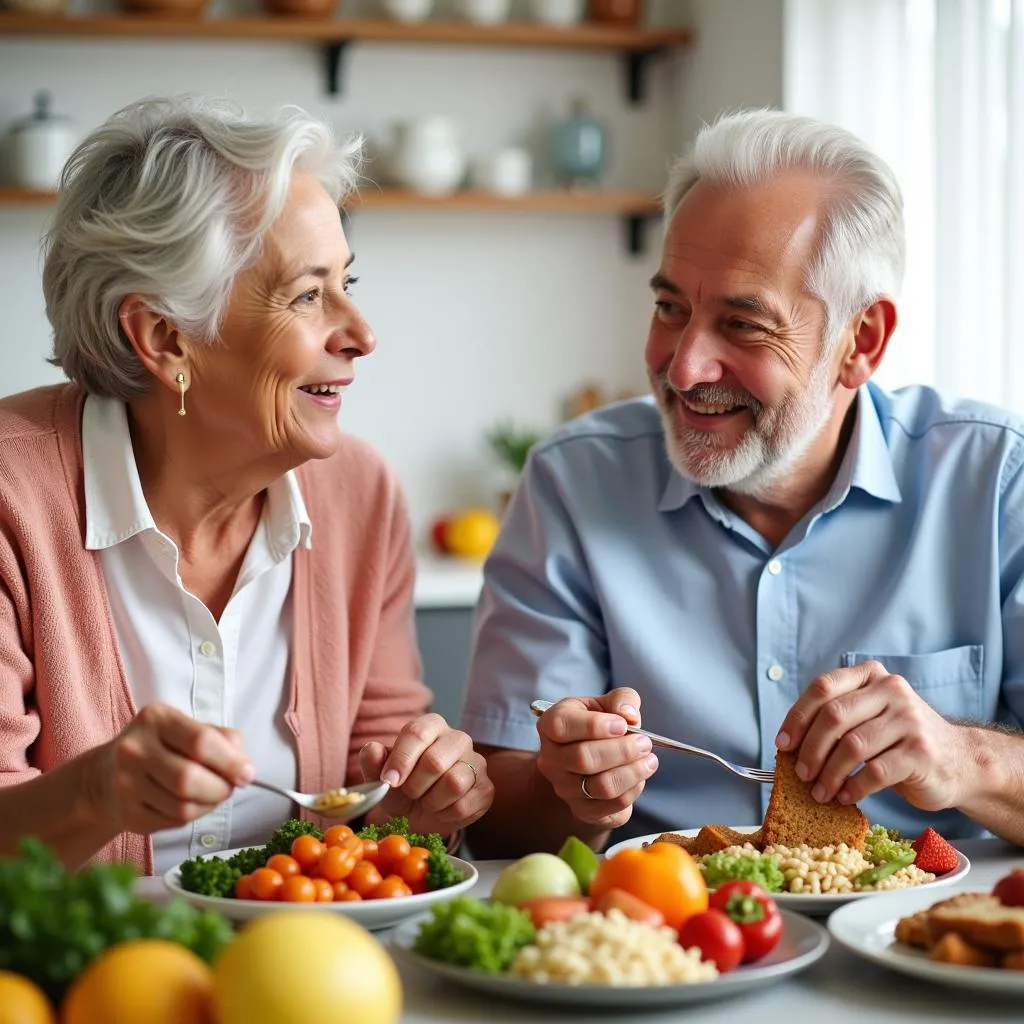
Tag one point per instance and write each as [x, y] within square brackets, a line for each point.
[803, 941]
[807, 903]
[867, 930]
[372, 914]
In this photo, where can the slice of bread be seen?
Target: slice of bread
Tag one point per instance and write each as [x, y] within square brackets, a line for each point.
[794, 818]
[914, 930]
[984, 922]
[953, 949]
[686, 842]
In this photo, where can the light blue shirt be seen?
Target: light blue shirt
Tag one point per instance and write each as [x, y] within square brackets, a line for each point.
[612, 569]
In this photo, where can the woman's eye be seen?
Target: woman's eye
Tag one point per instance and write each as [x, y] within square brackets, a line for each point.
[349, 282]
[309, 298]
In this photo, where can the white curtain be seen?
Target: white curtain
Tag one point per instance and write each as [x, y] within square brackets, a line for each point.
[937, 87]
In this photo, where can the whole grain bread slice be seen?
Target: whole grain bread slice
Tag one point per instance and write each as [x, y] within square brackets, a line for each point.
[795, 818]
[984, 922]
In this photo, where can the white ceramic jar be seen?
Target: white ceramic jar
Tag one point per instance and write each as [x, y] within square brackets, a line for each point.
[408, 10]
[558, 12]
[428, 156]
[508, 172]
[485, 12]
[39, 147]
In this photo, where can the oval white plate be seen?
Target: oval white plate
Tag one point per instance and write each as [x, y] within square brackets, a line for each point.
[808, 903]
[372, 914]
[803, 941]
[867, 930]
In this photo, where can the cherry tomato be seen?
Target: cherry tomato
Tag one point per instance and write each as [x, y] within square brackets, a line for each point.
[390, 851]
[324, 890]
[756, 913]
[390, 888]
[716, 936]
[364, 878]
[1009, 890]
[413, 868]
[370, 848]
[299, 889]
[340, 888]
[336, 863]
[545, 909]
[307, 850]
[336, 833]
[350, 896]
[631, 906]
[243, 888]
[284, 865]
[266, 884]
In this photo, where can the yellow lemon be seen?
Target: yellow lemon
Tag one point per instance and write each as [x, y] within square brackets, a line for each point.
[23, 1002]
[472, 533]
[142, 981]
[305, 966]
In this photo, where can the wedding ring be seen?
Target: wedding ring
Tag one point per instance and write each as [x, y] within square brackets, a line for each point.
[583, 786]
[476, 776]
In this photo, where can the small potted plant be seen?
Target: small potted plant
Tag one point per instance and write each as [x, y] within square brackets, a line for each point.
[511, 445]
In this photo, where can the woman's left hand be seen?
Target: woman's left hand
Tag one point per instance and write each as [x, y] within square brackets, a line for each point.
[439, 782]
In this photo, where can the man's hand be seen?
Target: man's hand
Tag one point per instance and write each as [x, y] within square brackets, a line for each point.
[865, 715]
[590, 760]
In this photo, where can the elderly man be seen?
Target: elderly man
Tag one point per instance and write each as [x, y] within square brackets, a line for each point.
[770, 553]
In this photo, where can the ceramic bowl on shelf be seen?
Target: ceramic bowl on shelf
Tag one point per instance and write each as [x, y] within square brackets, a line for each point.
[408, 10]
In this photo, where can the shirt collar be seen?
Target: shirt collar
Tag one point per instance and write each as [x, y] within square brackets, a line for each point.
[866, 466]
[116, 507]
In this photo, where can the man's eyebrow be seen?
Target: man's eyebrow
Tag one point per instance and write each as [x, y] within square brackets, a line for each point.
[660, 283]
[315, 271]
[752, 304]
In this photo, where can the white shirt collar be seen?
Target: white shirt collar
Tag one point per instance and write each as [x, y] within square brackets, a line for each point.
[115, 505]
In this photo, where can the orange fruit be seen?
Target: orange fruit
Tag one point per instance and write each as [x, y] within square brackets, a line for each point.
[472, 533]
[23, 1002]
[143, 981]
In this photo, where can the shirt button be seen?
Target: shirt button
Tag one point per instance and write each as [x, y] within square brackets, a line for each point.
[776, 672]
[775, 567]
[207, 649]
[208, 839]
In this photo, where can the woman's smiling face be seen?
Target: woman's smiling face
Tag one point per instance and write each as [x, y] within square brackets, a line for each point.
[288, 343]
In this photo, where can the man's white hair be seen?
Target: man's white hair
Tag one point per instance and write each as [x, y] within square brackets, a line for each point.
[169, 199]
[860, 253]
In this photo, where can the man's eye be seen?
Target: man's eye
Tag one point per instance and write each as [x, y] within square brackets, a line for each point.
[667, 309]
[745, 325]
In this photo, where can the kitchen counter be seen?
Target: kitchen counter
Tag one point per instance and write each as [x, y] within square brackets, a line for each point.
[446, 582]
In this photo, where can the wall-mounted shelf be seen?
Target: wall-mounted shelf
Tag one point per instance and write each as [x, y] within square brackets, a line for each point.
[636, 45]
[634, 207]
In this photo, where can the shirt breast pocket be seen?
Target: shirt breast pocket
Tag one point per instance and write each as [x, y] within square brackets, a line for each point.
[951, 681]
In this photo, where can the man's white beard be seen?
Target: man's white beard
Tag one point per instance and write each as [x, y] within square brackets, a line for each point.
[766, 454]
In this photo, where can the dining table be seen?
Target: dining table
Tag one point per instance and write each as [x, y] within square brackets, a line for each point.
[839, 988]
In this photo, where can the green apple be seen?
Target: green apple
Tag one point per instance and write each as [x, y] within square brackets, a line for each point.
[582, 859]
[537, 874]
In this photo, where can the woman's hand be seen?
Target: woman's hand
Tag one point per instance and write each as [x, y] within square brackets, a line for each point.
[166, 769]
[438, 780]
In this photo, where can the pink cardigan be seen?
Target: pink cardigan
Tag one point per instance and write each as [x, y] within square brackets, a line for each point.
[355, 672]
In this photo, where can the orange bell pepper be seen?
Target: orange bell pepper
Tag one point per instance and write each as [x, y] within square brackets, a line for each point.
[663, 875]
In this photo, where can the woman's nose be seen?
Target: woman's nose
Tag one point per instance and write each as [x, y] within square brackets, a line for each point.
[353, 333]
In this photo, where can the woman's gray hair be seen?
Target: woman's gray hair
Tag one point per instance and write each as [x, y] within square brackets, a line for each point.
[860, 254]
[169, 199]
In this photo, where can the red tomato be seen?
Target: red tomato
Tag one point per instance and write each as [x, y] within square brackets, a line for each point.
[439, 535]
[390, 888]
[1010, 890]
[716, 936]
[265, 884]
[243, 888]
[756, 913]
[632, 906]
[413, 869]
[545, 909]
[390, 851]
[299, 889]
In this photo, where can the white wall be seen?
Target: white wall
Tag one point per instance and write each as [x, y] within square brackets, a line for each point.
[479, 318]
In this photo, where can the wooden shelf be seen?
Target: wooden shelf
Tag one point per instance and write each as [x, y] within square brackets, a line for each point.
[11, 196]
[635, 45]
[517, 34]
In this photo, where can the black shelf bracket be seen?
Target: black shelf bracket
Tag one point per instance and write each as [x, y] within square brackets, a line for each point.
[334, 58]
[635, 67]
[635, 226]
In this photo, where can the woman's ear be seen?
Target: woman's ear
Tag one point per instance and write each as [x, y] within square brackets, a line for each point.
[869, 333]
[157, 342]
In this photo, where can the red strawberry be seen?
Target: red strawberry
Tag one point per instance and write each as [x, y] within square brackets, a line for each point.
[934, 854]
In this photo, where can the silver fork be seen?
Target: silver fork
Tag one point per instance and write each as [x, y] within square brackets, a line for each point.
[538, 707]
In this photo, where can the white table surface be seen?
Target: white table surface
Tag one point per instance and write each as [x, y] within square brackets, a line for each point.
[839, 989]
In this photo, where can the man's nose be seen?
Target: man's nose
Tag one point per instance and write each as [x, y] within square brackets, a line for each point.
[696, 359]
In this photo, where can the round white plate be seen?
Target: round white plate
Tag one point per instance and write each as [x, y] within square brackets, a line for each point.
[803, 941]
[866, 929]
[372, 914]
[808, 903]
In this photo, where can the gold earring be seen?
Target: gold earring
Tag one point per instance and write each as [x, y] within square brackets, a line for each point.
[181, 390]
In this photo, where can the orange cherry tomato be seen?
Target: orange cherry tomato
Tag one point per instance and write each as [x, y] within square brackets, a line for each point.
[336, 833]
[340, 888]
[413, 868]
[369, 850]
[243, 888]
[364, 878]
[336, 863]
[324, 890]
[663, 875]
[299, 889]
[266, 884]
[351, 896]
[284, 865]
[390, 888]
[307, 850]
[390, 851]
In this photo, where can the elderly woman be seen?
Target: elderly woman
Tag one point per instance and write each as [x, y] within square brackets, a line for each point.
[202, 578]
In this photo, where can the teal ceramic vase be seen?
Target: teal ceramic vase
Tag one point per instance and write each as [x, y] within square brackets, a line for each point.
[579, 147]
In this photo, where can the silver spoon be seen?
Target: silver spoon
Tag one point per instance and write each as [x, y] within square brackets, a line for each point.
[341, 804]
